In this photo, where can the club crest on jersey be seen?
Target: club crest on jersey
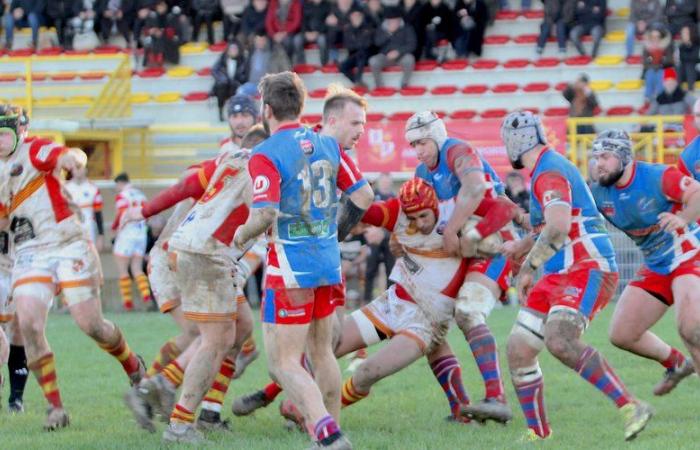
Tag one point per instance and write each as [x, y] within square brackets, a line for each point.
[78, 266]
[685, 183]
[306, 146]
[16, 170]
[550, 196]
[608, 208]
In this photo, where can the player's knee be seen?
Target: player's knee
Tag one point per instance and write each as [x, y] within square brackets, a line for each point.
[689, 330]
[474, 304]
[526, 338]
[619, 338]
[468, 321]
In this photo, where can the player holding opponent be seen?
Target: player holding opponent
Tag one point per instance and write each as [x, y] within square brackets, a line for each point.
[87, 196]
[573, 248]
[657, 206]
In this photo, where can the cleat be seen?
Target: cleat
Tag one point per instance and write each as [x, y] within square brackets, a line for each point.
[636, 416]
[673, 376]
[159, 395]
[458, 419]
[136, 377]
[182, 434]
[135, 400]
[56, 418]
[531, 436]
[247, 404]
[211, 421]
[16, 407]
[291, 413]
[243, 360]
[488, 409]
[342, 443]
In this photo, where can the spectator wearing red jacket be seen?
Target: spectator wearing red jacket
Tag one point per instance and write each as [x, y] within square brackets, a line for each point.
[283, 22]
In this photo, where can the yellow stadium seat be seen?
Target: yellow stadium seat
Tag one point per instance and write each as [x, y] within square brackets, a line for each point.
[601, 85]
[80, 100]
[623, 12]
[608, 60]
[629, 85]
[49, 101]
[140, 97]
[167, 97]
[193, 47]
[615, 36]
[181, 72]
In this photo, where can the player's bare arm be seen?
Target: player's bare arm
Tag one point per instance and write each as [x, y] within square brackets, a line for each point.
[691, 208]
[470, 194]
[258, 222]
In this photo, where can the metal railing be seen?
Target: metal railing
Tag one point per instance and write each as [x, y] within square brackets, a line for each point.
[114, 100]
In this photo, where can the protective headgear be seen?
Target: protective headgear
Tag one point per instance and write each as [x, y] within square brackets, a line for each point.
[614, 141]
[521, 132]
[426, 125]
[11, 119]
[243, 104]
[416, 194]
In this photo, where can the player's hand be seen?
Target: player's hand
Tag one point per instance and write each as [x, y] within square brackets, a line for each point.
[525, 281]
[100, 243]
[450, 241]
[468, 248]
[396, 248]
[72, 159]
[669, 221]
[134, 214]
[513, 250]
[237, 240]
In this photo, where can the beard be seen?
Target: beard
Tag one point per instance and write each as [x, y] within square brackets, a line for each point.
[610, 179]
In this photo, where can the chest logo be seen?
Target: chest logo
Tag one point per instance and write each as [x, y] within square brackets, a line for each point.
[16, 170]
[261, 184]
[306, 146]
[608, 209]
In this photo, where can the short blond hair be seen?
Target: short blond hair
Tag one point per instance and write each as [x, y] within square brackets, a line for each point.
[337, 96]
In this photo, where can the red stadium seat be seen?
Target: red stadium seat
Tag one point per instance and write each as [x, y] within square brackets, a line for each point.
[330, 68]
[77, 52]
[494, 113]
[39, 76]
[536, 87]
[441, 114]
[534, 14]
[578, 60]
[20, 52]
[375, 116]
[556, 111]
[392, 69]
[304, 68]
[561, 85]
[318, 93]
[517, 63]
[154, 72]
[400, 116]
[311, 119]
[92, 75]
[507, 15]
[546, 62]
[412, 91]
[444, 89]
[218, 47]
[310, 46]
[463, 114]
[50, 51]
[485, 64]
[360, 90]
[204, 72]
[504, 88]
[525, 39]
[65, 76]
[475, 89]
[455, 64]
[532, 109]
[496, 39]
[426, 65]
[620, 111]
[383, 91]
[9, 77]
[634, 59]
[197, 96]
[107, 50]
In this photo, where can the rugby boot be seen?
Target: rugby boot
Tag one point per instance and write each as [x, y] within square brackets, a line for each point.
[159, 395]
[16, 407]
[135, 400]
[531, 436]
[636, 416]
[290, 412]
[243, 360]
[211, 421]
[182, 433]
[342, 443]
[673, 376]
[56, 418]
[495, 409]
[136, 377]
[247, 404]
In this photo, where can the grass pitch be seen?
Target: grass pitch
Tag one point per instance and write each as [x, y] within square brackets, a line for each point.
[405, 411]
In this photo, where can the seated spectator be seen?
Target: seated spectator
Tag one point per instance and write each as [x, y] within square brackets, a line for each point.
[232, 12]
[143, 10]
[557, 14]
[516, 190]
[413, 17]
[437, 25]
[472, 17]
[396, 42]
[283, 22]
[229, 72]
[116, 13]
[261, 61]
[357, 40]
[253, 19]
[688, 57]
[335, 23]
[313, 30]
[59, 12]
[83, 18]
[153, 29]
[681, 14]
[204, 13]
[162, 36]
[590, 20]
[23, 14]
[525, 5]
[374, 13]
[673, 100]
[642, 14]
[582, 101]
[658, 53]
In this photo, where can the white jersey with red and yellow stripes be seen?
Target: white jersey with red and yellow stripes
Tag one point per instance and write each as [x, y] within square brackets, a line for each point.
[87, 197]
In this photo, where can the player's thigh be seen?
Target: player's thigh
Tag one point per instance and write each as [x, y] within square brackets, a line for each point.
[284, 344]
[32, 303]
[686, 293]
[398, 353]
[635, 312]
[351, 338]
[244, 321]
[484, 280]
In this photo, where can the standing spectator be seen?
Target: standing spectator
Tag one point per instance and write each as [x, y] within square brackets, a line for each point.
[681, 14]
[116, 13]
[22, 14]
[396, 42]
[204, 13]
[232, 12]
[313, 30]
[261, 61]
[335, 23]
[437, 25]
[143, 10]
[673, 100]
[253, 20]
[472, 17]
[283, 22]
[642, 14]
[60, 12]
[590, 20]
[582, 101]
[357, 40]
[657, 54]
[229, 72]
[557, 14]
[413, 17]
[516, 190]
[175, 25]
[688, 57]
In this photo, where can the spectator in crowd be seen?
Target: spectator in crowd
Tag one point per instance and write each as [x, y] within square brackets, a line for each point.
[253, 19]
[658, 54]
[22, 14]
[60, 13]
[375, 12]
[261, 60]
[525, 5]
[681, 14]
[437, 25]
[557, 14]
[335, 24]
[163, 36]
[204, 11]
[642, 14]
[413, 17]
[590, 20]
[396, 43]
[673, 99]
[143, 13]
[688, 56]
[357, 40]
[283, 22]
[582, 101]
[116, 13]
[229, 72]
[152, 41]
[232, 13]
[313, 29]
[516, 190]
[472, 17]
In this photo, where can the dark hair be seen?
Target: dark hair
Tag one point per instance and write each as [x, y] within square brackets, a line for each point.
[254, 136]
[284, 93]
[338, 97]
[122, 178]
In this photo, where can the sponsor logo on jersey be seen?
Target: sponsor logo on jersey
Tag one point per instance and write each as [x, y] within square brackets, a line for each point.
[16, 170]
[306, 146]
[685, 183]
[608, 209]
[261, 184]
[284, 313]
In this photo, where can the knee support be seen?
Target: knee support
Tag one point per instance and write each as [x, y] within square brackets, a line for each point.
[525, 375]
[530, 328]
[474, 304]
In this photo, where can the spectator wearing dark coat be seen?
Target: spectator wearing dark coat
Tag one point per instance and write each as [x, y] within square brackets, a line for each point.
[357, 40]
[283, 22]
[143, 9]
[253, 19]
[413, 17]
[83, 18]
[673, 100]
[60, 13]
[396, 42]
[232, 12]
[313, 30]
[590, 20]
[119, 13]
[437, 25]
[557, 14]
[688, 57]
[204, 13]
[22, 14]
[229, 72]
[582, 102]
[335, 23]
[681, 14]
[472, 17]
